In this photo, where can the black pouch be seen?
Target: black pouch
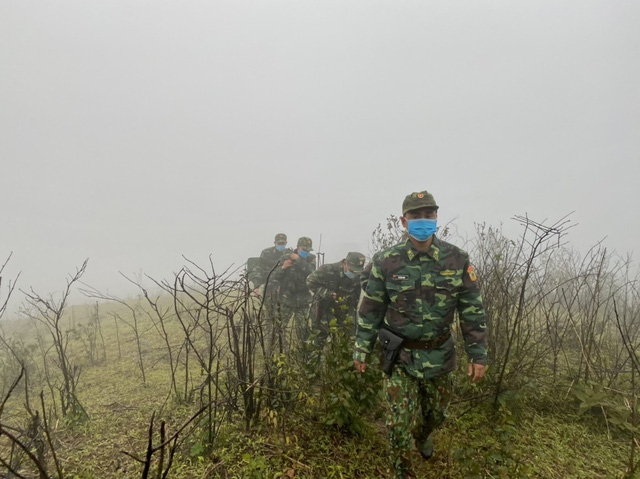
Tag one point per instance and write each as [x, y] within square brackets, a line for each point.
[391, 344]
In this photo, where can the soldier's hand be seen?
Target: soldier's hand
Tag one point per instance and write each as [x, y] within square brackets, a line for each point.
[361, 367]
[294, 257]
[287, 264]
[476, 371]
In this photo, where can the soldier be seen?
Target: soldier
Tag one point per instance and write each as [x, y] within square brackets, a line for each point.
[266, 284]
[292, 278]
[412, 293]
[336, 291]
[268, 259]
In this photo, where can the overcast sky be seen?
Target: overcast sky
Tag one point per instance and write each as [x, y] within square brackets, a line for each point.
[135, 132]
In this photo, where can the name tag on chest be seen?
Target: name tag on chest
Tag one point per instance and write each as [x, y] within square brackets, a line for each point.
[400, 277]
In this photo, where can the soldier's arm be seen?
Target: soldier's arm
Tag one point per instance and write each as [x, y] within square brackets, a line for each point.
[301, 269]
[308, 266]
[260, 271]
[319, 284]
[279, 274]
[473, 320]
[371, 313]
[294, 270]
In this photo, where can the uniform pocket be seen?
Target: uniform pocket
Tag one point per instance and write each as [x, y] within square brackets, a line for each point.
[446, 295]
[402, 295]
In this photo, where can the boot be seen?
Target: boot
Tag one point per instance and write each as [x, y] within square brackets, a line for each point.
[425, 448]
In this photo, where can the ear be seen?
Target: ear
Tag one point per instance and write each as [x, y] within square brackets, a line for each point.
[403, 220]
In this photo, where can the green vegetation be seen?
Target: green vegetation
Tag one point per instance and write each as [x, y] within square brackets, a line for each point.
[193, 365]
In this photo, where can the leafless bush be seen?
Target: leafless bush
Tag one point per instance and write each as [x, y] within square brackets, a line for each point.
[132, 320]
[49, 313]
[31, 442]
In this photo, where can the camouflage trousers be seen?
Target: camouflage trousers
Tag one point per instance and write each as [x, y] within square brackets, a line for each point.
[298, 309]
[407, 396]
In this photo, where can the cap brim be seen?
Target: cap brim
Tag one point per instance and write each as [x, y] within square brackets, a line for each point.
[414, 208]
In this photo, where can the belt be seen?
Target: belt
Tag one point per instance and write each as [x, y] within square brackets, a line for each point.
[433, 344]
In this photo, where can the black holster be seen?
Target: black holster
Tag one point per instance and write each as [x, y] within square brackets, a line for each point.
[391, 345]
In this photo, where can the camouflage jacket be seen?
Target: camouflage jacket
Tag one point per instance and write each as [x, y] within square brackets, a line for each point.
[416, 295]
[268, 259]
[293, 280]
[364, 276]
[329, 279]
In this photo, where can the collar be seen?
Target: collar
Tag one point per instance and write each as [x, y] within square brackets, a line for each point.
[433, 252]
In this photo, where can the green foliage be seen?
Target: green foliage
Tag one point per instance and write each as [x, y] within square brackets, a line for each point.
[317, 416]
[286, 388]
[598, 400]
[499, 456]
[347, 396]
[511, 402]
[255, 466]
[199, 444]
[76, 416]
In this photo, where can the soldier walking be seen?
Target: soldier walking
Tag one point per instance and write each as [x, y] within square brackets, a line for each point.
[336, 292]
[266, 283]
[295, 298]
[268, 259]
[410, 299]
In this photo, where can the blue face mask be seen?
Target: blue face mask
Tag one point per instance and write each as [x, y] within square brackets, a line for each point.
[422, 229]
[302, 253]
[281, 247]
[350, 274]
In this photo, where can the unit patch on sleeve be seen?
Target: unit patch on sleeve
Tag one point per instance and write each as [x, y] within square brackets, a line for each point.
[472, 273]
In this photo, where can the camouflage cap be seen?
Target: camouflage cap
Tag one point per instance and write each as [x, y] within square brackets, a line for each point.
[414, 201]
[280, 238]
[355, 261]
[305, 243]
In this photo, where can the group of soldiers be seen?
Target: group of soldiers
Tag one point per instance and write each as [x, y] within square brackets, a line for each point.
[411, 294]
[292, 287]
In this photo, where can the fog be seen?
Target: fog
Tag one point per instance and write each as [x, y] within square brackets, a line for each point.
[135, 132]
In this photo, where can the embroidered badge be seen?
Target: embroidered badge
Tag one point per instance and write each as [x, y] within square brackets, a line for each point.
[400, 277]
[420, 195]
[472, 273]
[436, 254]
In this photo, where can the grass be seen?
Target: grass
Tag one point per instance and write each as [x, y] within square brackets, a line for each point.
[540, 436]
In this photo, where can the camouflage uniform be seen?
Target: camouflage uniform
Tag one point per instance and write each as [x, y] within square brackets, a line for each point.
[264, 279]
[364, 276]
[266, 263]
[416, 294]
[268, 259]
[295, 298]
[330, 280]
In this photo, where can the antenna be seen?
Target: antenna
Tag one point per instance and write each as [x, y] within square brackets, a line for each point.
[319, 255]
